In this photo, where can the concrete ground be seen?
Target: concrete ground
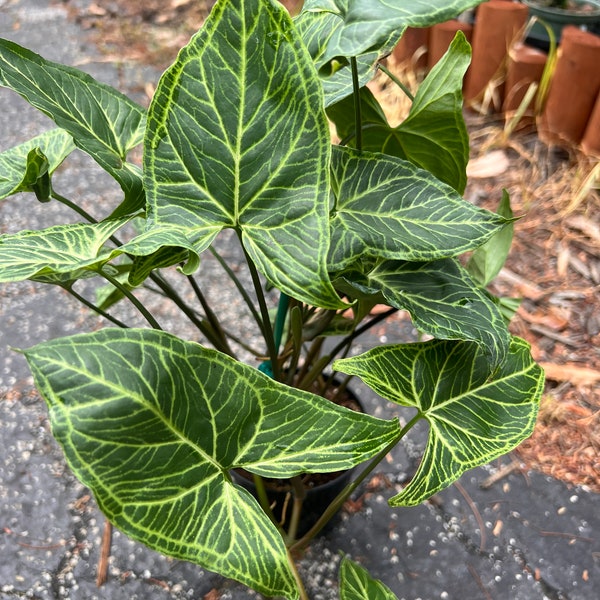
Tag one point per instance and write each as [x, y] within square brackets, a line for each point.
[524, 537]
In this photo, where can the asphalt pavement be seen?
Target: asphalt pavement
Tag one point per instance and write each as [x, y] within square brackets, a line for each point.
[523, 536]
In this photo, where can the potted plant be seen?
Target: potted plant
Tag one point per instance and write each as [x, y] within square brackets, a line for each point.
[556, 14]
[237, 138]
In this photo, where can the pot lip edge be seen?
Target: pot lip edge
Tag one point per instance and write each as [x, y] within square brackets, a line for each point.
[551, 10]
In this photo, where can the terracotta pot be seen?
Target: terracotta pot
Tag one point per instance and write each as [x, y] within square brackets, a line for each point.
[496, 25]
[293, 6]
[441, 36]
[412, 47]
[574, 87]
[525, 66]
[590, 143]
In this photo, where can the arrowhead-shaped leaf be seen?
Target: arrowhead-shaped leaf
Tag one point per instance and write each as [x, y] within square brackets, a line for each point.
[103, 122]
[153, 424]
[23, 166]
[357, 584]
[443, 302]
[475, 412]
[388, 208]
[58, 250]
[238, 138]
[369, 23]
[434, 135]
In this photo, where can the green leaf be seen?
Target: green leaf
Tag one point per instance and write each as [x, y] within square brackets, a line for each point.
[153, 424]
[443, 302]
[388, 208]
[487, 261]
[475, 412]
[319, 30]
[55, 251]
[166, 256]
[103, 122]
[357, 584]
[22, 167]
[433, 135]
[369, 23]
[237, 138]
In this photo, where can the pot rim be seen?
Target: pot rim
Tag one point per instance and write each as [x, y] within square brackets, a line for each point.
[577, 17]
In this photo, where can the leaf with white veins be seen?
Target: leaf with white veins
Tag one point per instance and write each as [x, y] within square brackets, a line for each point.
[388, 208]
[238, 138]
[476, 412]
[153, 424]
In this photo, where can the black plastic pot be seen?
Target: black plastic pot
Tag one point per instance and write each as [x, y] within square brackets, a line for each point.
[558, 18]
[317, 499]
[320, 489]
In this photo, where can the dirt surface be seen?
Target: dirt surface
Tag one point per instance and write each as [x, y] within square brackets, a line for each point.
[554, 265]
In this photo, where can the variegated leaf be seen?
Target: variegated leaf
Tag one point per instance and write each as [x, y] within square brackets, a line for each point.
[368, 24]
[55, 251]
[388, 208]
[153, 424]
[476, 412]
[238, 138]
[319, 31]
[443, 302]
[103, 122]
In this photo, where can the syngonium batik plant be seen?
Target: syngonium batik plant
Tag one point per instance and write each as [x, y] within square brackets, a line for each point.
[237, 137]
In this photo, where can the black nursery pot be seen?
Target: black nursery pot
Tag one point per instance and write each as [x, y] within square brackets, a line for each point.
[318, 496]
[320, 488]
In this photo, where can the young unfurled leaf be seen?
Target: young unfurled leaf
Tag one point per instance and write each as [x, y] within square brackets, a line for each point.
[475, 412]
[23, 166]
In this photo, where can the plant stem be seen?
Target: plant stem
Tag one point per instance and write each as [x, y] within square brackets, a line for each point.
[397, 82]
[357, 107]
[360, 330]
[299, 496]
[294, 568]
[223, 344]
[80, 211]
[238, 284]
[266, 329]
[339, 500]
[95, 308]
[131, 297]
